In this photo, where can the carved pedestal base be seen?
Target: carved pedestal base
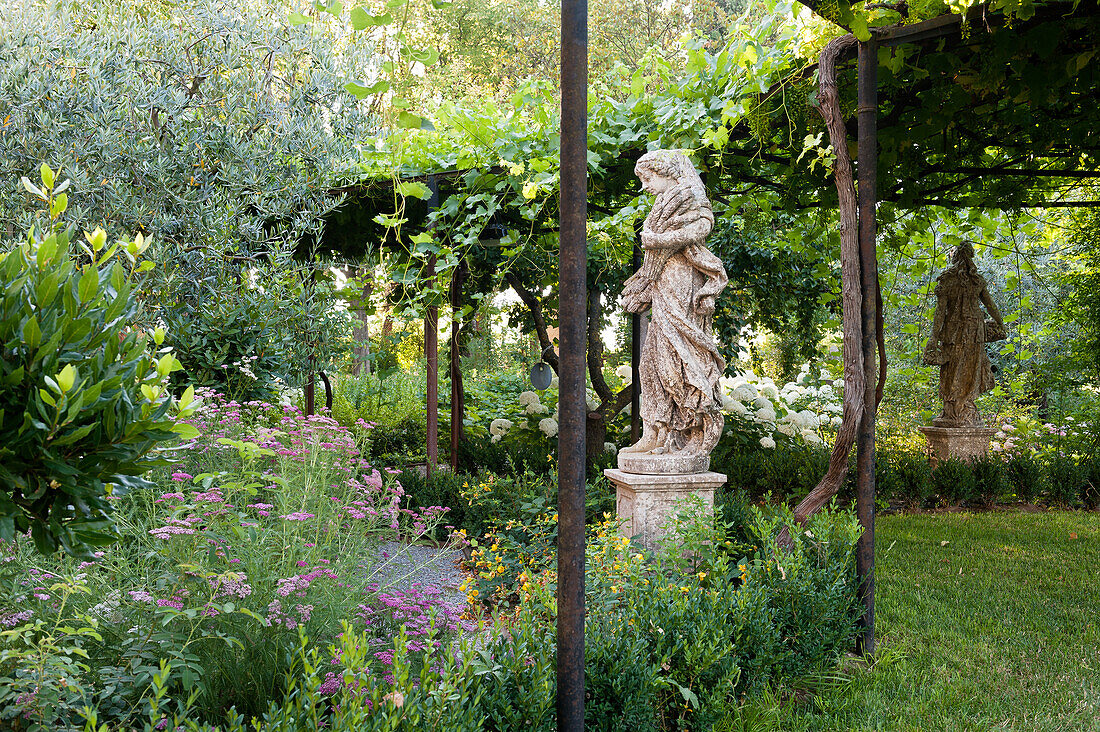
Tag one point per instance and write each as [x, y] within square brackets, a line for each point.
[961, 443]
[647, 501]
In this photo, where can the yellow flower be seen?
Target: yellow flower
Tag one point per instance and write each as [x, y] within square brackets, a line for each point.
[702, 576]
[530, 190]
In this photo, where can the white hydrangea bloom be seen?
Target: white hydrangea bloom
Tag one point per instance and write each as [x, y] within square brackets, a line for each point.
[744, 392]
[549, 427]
[836, 420]
[591, 403]
[826, 391]
[835, 409]
[762, 402]
[624, 372]
[554, 382]
[811, 437]
[495, 438]
[766, 416]
[499, 427]
[610, 447]
[527, 398]
[769, 391]
[767, 442]
[536, 408]
[727, 402]
[809, 419]
[787, 429]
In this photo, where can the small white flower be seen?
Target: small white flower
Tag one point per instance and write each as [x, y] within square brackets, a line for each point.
[767, 442]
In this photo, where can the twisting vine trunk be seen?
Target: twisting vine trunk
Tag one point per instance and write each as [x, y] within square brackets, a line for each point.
[828, 98]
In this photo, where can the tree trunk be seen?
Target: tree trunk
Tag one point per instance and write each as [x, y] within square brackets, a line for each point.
[851, 297]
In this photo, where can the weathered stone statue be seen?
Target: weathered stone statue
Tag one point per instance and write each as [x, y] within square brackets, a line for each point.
[678, 282]
[959, 334]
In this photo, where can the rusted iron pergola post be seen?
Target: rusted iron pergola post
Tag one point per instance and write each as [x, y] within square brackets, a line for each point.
[458, 396]
[431, 351]
[867, 161]
[572, 407]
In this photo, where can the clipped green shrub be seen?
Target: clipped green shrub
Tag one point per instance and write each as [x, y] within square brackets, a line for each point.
[1068, 479]
[989, 478]
[83, 395]
[954, 481]
[913, 478]
[1024, 476]
[1091, 490]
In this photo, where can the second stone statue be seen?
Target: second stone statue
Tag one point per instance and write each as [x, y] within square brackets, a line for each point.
[678, 282]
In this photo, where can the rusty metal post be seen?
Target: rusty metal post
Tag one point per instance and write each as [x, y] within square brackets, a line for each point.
[458, 396]
[572, 321]
[431, 351]
[636, 356]
[867, 110]
[310, 394]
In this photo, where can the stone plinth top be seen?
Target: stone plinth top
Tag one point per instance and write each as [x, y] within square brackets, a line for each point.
[959, 443]
[668, 464]
[685, 483]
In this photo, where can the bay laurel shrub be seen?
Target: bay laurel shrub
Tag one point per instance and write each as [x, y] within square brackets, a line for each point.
[83, 394]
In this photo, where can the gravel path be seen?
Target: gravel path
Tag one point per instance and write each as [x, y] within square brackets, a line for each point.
[408, 566]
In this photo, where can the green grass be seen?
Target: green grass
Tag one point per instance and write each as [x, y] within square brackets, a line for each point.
[996, 629]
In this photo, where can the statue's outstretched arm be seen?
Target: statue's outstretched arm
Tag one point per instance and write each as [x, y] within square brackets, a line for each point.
[990, 306]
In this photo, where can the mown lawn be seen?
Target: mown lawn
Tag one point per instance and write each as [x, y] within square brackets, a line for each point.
[987, 621]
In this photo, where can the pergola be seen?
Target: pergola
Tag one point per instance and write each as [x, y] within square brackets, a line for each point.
[979, 112]
[1040, 147]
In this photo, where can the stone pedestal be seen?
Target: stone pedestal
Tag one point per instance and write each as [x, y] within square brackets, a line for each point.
[646, 501]
[961, 443]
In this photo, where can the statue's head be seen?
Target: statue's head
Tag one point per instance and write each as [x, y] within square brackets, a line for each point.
[660, 169]
[963, 252]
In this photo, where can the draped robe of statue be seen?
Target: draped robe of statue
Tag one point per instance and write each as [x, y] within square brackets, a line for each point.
[957, 343]
[680, 364]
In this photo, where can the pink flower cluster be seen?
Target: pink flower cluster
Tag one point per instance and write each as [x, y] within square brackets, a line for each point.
[299, 583]
[277, 616]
